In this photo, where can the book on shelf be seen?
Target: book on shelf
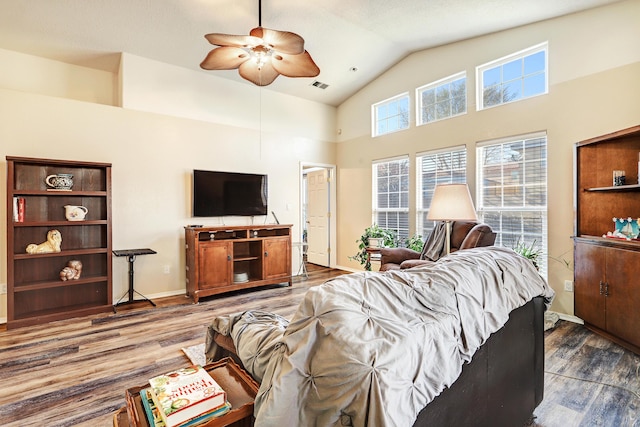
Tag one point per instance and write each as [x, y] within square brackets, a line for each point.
[19, 205]
[155, 419]
[186, 394]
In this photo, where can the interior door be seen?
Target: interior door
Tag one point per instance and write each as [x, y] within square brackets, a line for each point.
[318, 217]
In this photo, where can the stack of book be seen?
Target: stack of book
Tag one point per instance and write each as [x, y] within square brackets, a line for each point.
[183, 398]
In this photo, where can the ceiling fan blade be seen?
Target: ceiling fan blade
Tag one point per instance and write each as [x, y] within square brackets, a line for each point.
[295, 65]
[261, 77]
[224, 58]
[282, 41]
[219, 39]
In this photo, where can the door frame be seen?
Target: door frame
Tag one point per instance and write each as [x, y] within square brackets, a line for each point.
[304, 168]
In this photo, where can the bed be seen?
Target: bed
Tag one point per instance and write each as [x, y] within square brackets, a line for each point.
[456, 342]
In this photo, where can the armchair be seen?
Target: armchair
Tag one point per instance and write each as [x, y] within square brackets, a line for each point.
[464, 235]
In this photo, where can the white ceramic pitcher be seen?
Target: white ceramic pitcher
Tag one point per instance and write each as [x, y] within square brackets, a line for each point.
[75, 213]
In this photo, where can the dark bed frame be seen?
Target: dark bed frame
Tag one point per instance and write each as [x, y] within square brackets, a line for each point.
[501, 386]
[504, 382]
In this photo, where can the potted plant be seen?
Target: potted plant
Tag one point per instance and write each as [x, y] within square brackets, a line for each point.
[530, 252]
[387, 239]
[414, 242]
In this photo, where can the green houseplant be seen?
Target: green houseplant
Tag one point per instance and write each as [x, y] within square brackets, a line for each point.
[531, 252]
[388, 240]
[414, 242]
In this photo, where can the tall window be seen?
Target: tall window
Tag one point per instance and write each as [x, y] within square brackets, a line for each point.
[437, 167]
[512, 191]
[442, 99]
[390, 115]
[512, 78]
[391, 195]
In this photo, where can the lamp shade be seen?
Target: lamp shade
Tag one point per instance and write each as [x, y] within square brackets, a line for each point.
[452, 202]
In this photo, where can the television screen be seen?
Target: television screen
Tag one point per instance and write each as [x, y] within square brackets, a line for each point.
[229, 193]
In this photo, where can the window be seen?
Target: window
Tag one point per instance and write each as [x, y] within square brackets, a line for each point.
[512, 78]
[391, 195]
[437, 167]
[512, 191]
[390, 115]
[442, 99]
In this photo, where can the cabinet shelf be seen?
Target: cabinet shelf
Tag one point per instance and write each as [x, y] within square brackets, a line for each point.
[63, 223]
[65, 254]
[46, 193]
[51, 314]
[615, 188]
[245, 258]
[58, 284]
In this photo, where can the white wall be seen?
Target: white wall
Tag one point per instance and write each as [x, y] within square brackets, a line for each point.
[28, 73]
[153, 155]
[594, 69]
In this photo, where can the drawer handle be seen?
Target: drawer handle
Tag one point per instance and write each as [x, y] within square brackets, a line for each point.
[606, 289]
[601, 287]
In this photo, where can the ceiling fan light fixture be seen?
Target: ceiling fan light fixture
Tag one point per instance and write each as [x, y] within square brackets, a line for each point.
[271, 52]
[260, 55]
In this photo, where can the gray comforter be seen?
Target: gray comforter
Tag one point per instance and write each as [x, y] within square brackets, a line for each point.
[375, 348]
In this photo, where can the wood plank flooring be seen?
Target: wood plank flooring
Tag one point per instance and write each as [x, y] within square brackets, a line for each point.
[75, 372]
[589, 381]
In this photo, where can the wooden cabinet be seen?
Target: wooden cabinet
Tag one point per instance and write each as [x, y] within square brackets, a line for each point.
[35, 291]
[607, 291]
[223, 259]
[607, 269]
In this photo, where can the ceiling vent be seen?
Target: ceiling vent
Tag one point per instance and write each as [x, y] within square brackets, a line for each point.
[319, 85]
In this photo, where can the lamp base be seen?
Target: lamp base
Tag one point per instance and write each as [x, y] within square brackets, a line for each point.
[448, 237]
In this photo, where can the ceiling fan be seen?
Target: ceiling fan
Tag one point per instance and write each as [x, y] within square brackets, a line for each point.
[261, 56]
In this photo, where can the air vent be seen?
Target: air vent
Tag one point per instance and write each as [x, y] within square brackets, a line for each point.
[319, 85]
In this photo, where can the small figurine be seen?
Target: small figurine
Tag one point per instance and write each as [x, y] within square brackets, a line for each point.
[72, 271]
[54, 240]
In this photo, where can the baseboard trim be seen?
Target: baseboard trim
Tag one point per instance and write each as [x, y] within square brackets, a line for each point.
[571, 318]
[158, 295]
[352, 270]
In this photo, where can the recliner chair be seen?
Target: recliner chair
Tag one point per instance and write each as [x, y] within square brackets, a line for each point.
[464, 235]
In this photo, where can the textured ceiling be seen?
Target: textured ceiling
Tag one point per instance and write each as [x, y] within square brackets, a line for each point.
[370, 35]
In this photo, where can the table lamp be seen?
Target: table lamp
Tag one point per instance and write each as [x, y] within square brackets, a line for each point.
[451, 202]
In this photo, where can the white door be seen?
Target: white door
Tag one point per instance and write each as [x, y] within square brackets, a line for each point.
[318, 217]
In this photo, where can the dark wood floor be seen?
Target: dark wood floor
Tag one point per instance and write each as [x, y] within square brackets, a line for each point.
[74, 372]
[589, 381]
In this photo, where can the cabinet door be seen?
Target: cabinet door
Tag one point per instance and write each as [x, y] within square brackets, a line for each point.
[589, 271]
[277, 257]
[214, 264]
[623, 296]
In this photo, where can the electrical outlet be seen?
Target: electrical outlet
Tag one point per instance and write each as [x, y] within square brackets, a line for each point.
[167, 269]
[568, 285]
[3, 288]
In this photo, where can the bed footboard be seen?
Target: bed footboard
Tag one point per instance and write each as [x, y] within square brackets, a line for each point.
[504, 382]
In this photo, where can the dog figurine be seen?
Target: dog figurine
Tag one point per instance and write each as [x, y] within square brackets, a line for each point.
[54, 240]
[72, 271]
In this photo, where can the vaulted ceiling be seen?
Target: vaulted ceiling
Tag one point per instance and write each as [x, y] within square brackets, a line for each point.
[352, 41]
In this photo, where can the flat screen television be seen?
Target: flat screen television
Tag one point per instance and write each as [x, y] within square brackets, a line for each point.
[229, 193]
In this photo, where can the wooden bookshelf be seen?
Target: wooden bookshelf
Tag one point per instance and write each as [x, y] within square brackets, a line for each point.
[35, 292]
